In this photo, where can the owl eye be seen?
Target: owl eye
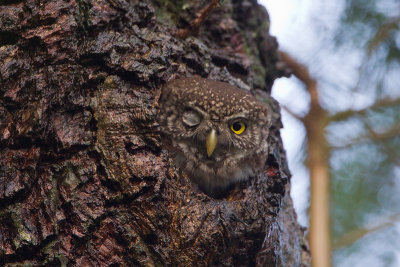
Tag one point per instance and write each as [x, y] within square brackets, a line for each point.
[191, 118]
[238, 127]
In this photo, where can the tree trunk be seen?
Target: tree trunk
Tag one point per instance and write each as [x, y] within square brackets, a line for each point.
[84, 180]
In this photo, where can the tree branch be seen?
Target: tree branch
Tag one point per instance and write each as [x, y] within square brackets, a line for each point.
[391, 133]
[392, 153]
[344, 115]
[383, 32]
[288, 110]
[317, 155]
[351, 237]
[299, 70]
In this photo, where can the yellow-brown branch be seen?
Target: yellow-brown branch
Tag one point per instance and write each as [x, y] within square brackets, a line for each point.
[317, 161]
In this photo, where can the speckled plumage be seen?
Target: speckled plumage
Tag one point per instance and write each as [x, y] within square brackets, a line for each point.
[190, 108]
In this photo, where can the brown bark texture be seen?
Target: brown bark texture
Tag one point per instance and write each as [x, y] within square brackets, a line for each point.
[84, 179]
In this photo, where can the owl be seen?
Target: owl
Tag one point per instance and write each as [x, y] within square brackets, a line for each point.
[215, 132]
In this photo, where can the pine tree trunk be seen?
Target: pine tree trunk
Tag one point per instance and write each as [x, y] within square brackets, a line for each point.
[84, 180]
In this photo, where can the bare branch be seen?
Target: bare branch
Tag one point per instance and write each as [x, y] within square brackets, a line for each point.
[317, 155]
[351, 237]
[299, 70]
[294, 115]
[391, 133]
[344, 115]
[383, 32]
[392, 153]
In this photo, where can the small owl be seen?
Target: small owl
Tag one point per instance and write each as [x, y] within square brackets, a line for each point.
[215, 132]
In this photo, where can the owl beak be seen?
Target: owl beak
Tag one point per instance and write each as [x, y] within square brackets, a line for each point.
[211, 142]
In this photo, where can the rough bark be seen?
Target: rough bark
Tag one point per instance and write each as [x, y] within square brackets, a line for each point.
[84, 180]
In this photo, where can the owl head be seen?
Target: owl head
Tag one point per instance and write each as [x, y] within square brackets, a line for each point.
[215, 132]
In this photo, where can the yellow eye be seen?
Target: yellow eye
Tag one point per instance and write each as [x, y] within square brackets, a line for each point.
[238, 127]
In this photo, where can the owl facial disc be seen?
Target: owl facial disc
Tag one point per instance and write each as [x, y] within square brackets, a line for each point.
[197, 115]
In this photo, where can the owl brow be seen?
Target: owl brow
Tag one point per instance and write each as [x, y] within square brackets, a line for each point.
[204, 114]
[241, 115]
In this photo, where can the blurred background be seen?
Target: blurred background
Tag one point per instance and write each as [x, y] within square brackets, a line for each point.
[343, 103]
